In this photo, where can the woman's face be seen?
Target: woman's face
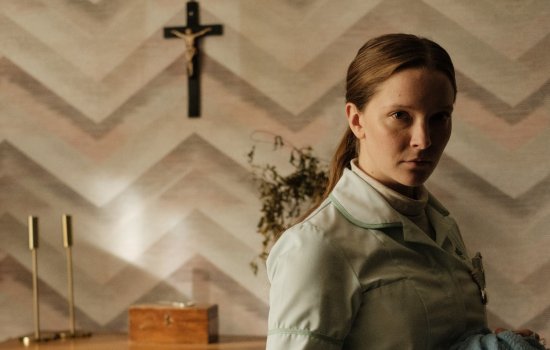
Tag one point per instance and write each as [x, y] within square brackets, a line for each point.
[404, 128]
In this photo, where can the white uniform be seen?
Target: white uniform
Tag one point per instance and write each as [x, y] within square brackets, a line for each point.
[356, 274]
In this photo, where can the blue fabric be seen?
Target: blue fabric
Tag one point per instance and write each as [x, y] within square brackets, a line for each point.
[506, 340]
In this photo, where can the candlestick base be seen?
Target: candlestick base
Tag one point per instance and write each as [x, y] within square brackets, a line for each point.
[75, 334]
[44, 337]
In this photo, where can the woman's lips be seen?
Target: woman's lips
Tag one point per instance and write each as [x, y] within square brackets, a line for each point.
[419, 162]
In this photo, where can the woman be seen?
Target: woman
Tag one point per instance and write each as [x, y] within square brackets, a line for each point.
[379, 263]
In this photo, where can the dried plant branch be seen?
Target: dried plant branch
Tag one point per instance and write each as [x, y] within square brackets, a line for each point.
[284, 197]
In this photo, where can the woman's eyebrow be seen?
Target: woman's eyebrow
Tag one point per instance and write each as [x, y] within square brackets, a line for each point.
[396, 106]
[449, 108]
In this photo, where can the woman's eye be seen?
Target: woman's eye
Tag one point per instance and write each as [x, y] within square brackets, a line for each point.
[441, 116]
[400, 115]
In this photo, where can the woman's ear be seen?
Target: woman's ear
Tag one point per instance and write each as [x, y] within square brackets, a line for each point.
[355, 120]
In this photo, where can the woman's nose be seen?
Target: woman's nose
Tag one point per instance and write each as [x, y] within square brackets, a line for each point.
[420, 136]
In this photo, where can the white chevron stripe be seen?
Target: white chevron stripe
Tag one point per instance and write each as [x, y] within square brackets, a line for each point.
[512, 30]
[98, 50]
[91, 18]
[290, 39]
[96, 100]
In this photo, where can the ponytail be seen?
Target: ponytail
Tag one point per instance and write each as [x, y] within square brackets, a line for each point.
[347, 149]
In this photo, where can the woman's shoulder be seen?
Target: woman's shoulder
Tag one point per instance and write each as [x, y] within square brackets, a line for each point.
[316, 233]
[324, 222]
[325, 234]
[309, 249]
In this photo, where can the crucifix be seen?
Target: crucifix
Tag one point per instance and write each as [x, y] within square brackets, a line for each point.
[191, 35]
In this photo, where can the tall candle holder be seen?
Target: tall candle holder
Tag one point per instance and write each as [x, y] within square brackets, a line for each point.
[37, 336]
[68, 243]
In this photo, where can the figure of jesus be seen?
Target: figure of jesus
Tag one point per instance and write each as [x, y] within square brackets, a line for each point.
[189, 38]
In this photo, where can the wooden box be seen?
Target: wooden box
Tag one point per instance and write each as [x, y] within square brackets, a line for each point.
[159, 323]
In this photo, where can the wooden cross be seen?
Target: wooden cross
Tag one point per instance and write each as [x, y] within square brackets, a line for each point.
[191, 34]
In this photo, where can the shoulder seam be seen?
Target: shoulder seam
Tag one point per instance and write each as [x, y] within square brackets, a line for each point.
[317, 211]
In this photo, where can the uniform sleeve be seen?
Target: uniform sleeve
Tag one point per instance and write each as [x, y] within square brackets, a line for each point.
[314, 292]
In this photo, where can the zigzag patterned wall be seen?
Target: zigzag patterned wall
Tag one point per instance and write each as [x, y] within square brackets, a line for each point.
[93, 123]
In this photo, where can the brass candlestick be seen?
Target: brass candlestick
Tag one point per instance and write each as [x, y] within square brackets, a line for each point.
[37, 336]
[68, 243]
[33, 246]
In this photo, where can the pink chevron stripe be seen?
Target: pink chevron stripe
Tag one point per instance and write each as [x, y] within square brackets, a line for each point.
[509, 136]
[61, 126]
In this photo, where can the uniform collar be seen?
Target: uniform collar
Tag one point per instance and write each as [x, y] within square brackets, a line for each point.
[362, 205]
[403, 204]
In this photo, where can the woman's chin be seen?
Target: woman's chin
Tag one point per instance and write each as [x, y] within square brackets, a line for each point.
[415, 178]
